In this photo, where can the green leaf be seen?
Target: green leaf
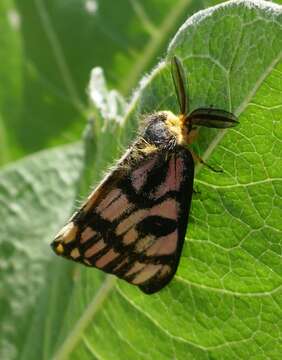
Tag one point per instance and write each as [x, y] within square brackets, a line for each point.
[35, 194]
[225, 301]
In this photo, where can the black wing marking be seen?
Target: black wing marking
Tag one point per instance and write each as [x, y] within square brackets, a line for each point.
[136, 224]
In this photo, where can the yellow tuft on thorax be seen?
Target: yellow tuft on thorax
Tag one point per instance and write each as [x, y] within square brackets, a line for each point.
[175, 124]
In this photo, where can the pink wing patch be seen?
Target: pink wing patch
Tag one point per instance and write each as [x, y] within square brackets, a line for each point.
[95, 249]
[114, 205]
[139, 176]
[173, 178]
[87, 234]
[130, 221]
[167, 209]
[164, 245]
[106, 202]
[146, 273]
[107, 258]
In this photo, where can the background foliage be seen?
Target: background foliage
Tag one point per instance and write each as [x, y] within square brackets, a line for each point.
[225, 301]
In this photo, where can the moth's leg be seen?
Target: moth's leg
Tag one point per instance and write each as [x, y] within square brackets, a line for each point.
[197, 158]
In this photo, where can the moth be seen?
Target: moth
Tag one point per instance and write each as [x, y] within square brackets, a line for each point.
[133, 224]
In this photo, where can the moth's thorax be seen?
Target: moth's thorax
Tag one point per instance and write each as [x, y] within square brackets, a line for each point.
[178, 127]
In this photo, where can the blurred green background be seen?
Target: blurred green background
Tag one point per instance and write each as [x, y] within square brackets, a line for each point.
[48, 48]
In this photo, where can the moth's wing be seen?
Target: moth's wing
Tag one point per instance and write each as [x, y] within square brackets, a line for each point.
[173, 197]
[134, 224]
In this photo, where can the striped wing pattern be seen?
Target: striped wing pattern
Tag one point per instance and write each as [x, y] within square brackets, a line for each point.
[134, 224]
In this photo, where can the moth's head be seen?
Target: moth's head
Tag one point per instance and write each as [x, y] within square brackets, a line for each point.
[179, 128]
